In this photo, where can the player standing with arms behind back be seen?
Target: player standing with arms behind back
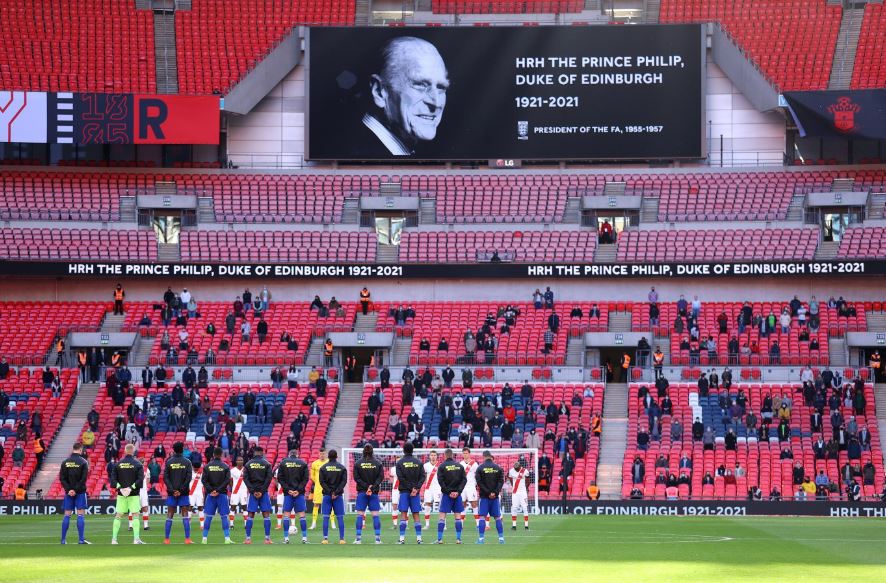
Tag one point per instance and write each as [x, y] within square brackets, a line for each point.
[317, 491]
[411, 474]
[490, 479]
[452, 479]
[292, 479]
[333, 480]
[257, 476]
[368, 475]
[127, 477]
[72, 476]
[518, 475]
[239, 495]
[432, 487]
[470, 492]
[216, 479]
[177, 475]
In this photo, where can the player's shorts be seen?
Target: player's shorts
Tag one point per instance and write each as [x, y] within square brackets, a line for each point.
[217, 504]
[279, 502]
[431, 496]
[369, 501]
[448, 505]
[490, 507]
[75, 502]
[196, 498]
[294, 503]
[143, 498]
[127, 504]
[469, 495]
[262, 504]
[183, 501]
[241, 498]
[409, 503]
[329, 506]
[317, 496]
[519, 502]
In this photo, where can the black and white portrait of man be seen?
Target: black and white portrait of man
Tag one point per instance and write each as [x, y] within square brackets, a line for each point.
[407, 95]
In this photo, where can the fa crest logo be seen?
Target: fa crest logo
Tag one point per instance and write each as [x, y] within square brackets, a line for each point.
[523, 130]
[844, 114]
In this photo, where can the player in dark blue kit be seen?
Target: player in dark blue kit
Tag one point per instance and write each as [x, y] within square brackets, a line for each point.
[452, 479]
[72, 476]
[257, 476]
[177, 476]
[368, 475]
[411, 475]
[333, 479]
[490, 479]
[292, 478]
[216, 480]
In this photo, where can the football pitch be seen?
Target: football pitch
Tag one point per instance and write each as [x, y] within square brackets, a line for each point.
[556, 549]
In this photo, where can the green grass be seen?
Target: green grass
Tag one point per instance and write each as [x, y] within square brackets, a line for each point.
[556, 550]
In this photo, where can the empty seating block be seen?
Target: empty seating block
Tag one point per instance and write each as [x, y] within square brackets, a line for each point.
[862, 242]
[65, 195]
[506, 6]
[717, 245]
[279, 246]
[518, 246]
[219, 41]
[97, 244]
[792, 41]
[28, 329]
[870, 59]
[88, 46]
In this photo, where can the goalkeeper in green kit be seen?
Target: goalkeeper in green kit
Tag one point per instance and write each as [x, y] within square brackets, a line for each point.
[127, 477]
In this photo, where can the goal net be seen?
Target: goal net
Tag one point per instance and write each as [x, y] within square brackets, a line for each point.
[505, 457]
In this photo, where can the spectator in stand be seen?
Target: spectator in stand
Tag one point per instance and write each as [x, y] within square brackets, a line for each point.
[365, 300]
[785, 321]
[554, 322]
[606, 235]
[548, 339]
[245, 331]
[653, 314]
[262, 330]
[594, 313]
[696, 307]
[576, 313]
[774, 353]
[549, 298]
[638, 470]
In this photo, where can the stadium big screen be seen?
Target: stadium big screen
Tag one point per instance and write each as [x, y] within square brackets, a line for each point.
[566, 93]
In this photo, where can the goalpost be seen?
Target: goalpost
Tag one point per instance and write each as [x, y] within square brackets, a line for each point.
[505, 457]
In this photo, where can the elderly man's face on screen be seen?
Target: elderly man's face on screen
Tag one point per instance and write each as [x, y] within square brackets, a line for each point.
[411, 89]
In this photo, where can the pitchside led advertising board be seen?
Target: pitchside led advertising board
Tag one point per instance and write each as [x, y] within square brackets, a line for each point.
[479, 93]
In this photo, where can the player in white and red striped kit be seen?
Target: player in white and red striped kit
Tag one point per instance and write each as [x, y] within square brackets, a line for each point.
[195, 495]
[239, 495]
[431, 488]
[518, 476]
[469, 494]
[395, 513]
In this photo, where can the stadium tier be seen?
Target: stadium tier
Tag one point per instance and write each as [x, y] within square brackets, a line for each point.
[263, 432]
[506, 7]
[792, 41]
[51, 244]
[526, 421]
[99, 46]
[220, 41]
[710, 245]
[293, 318]
[24, 394]
[761, 458]
[870, 64]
